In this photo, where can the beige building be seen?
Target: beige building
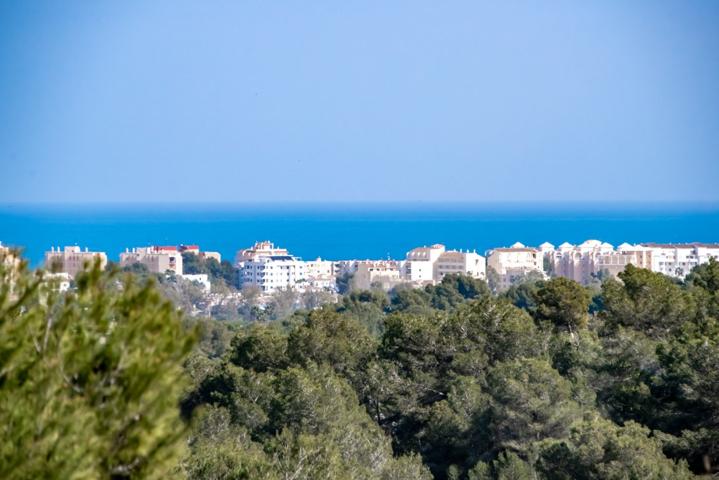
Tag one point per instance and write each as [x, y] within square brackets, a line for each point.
[514, 263]
[384, 274]
[157, 259]
[260, 249]
[467, 263]
[320, 274]
[195, 250]
[579, 262]
[428, 265]
[615, 262]
[72, 260]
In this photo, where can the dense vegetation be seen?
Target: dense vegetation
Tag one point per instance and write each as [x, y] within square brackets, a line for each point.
[550, 380]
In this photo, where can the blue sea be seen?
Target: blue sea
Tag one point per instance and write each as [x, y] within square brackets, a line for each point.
[348, 231]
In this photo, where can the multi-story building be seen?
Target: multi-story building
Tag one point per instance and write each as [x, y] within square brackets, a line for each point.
[458, 261]
[320, 274]
[384, 274]
[514, 263]
[157, 259]
[578, 262]
[195, 250]
[420, 262]
[72, 260]
[426, 265]
[615, 262]
[270, 268]
[677, 260]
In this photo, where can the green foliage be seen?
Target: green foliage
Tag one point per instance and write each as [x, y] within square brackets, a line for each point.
[563, 302]
[647, 301]
[448, 379]
[218, 272]
[600, 449]
[89, 380]
[530, 401]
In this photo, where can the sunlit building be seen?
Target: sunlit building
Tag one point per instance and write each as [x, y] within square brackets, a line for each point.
[72, 260]
[157, 259]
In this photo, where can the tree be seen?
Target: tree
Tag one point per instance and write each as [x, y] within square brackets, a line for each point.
[455, 289]
[530, 401]
[89, 380]
[326, 337]
[599, 449]
[508, 466]
[564, 303]
[646, 301]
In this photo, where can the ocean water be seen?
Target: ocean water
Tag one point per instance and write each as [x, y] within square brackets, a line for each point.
[347, 231]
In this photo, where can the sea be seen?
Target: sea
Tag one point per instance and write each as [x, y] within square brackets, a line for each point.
[349, 231]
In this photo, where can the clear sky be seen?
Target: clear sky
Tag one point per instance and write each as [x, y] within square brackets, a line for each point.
[236, 101]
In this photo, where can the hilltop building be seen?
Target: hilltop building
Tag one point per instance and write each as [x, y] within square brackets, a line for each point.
[157, 259]
[270, 268]
[677, 260]
[514, 263]
[195, 250]
[419, 264]
[428, 265]
[454, 261]
[72, 260]
[384, 274]
[320, 274]
[587, 260]
[579, 262]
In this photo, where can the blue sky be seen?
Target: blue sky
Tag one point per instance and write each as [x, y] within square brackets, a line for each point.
[237, 101]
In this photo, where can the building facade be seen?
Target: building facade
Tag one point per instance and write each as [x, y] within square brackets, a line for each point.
[677, 260]
[195, 250]
[270, 268]
[384, 274]
[514, 263]
[72, 260]
[157, 259]
[579, 262]
[428, 265]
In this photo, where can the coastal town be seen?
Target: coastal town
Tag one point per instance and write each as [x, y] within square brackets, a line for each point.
[267, 269]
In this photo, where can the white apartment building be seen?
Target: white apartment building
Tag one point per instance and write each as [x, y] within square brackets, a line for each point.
[385, 274]
[425, 265]
[270, 268]
[454, 261]
[157, 259]
[320, 274]
[515, 262]
[678, 260]
[72, 260]
[419, 264]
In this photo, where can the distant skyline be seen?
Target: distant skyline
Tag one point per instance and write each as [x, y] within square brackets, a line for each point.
[176, 101]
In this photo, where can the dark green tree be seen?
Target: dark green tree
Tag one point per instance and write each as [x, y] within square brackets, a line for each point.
[562, 302]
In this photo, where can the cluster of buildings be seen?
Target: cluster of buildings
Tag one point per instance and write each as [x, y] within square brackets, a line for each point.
[594, 259]
[65, 263]
[270, 268]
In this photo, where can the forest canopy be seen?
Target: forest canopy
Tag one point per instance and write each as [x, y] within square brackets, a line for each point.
[551, 380]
